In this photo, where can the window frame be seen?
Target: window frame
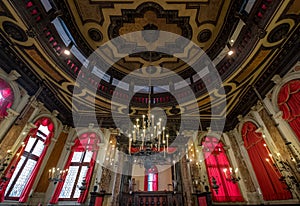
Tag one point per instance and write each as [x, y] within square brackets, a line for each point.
[28, 156]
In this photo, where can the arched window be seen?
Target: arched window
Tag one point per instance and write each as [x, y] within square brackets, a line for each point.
[151, 179]
[6, 97]
[263, 164]
[216, 161]
[24, 167]
[80, 165]
[289, 104]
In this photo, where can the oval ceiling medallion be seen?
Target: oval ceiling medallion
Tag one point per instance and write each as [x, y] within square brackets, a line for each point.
[279, 32]
[204, 35]
[95, 35]
[14, 31]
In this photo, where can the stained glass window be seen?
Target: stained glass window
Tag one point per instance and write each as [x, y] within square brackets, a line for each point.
[29, 160]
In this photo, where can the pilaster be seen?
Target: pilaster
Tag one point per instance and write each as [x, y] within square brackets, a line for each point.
[233, 153]
[254, 195]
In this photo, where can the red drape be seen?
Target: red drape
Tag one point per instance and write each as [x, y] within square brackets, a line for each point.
[267, 175]
[25, 193]
[87, 141]
[289, 104]
[6, 97]
[215, 161]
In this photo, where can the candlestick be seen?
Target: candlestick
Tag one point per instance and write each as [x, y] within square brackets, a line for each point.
[152, 122]
[225, 172]
[163, 133]
[174, 170]
[159, 137]
[167, 137]
[129, 147]
[53, 172]
[134, 136]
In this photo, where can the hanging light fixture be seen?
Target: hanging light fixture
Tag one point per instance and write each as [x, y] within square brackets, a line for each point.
[148, 135]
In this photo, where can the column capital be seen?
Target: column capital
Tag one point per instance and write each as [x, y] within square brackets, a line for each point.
[240, 118]
[13, 75]
[238, 137]
[55, 113]
[69, 145]
[226, 147]
[114, 131]
[11, 113]
[257, 107]
[277, 79]
[189, 133]
[35, 103]
[231, 132]
[259, 129]
[28, 127]
[278, 115]
[66, 128]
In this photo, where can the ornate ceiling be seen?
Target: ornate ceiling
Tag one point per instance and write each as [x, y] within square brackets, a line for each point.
[263, 34]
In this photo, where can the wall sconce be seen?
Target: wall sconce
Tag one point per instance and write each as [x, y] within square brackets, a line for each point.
[230, 175]
[215, 186]
[56, 175]
[82, 187]
[3, 165]
[4, 162]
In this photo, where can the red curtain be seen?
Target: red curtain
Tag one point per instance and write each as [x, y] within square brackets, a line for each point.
[216, 160]
[44, 121]
[289, 104]
[6, 97]
[267, 174]
[87, 141]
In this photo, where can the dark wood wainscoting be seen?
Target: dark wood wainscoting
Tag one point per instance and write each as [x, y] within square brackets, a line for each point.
[159, 198]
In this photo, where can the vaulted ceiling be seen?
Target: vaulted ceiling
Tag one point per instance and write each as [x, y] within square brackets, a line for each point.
[264, 36]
